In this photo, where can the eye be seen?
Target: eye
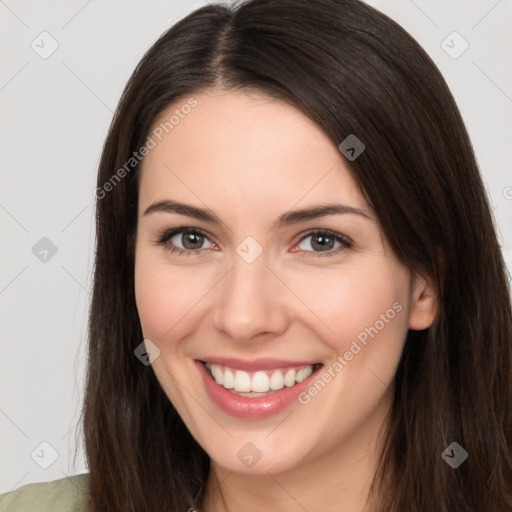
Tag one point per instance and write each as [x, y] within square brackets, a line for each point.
[186, 241]
[325, 242]
[191, 240]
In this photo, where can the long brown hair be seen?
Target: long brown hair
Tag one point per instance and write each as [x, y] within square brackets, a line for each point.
[352, 70]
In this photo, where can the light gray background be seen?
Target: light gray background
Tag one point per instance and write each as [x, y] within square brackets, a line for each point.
[54, 118]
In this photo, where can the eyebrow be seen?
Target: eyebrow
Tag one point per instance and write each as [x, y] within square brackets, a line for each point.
[288, 218]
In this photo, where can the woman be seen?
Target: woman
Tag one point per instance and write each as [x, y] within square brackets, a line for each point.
[299, 298]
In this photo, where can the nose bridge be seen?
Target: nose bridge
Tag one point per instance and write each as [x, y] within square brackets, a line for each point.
[248, 301]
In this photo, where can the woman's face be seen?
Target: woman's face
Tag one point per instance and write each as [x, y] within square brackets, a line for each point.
[266, 293]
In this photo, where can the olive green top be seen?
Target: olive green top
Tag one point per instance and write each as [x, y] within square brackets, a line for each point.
[67, 494]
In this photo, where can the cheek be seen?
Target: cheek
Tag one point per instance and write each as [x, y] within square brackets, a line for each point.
[347, 302]
[167, 300]
[152, 305]
[372, 347]
[153, 296]
[363, 313]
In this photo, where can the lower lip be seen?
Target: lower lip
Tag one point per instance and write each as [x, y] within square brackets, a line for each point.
[252, 408]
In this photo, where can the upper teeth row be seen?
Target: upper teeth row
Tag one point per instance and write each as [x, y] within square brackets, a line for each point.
[260, 381]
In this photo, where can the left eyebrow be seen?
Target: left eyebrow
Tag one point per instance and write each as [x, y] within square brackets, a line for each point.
[314, 212]
[287, 219]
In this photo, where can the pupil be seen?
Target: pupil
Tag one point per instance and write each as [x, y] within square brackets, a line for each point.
[324, 241]
[187, 237]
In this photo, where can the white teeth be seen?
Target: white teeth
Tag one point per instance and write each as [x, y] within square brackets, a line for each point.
[260, 381]
[242, 381]
[303, 373]
[300, 375]
[229, 379]
[277, 380]
[289, 378]
[218, 374]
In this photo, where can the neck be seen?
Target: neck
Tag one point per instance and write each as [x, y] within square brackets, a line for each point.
[339, 479]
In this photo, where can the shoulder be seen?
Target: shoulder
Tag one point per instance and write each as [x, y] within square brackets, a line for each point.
[67, 494]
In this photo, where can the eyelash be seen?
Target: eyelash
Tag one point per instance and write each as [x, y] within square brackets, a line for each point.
[164, 237]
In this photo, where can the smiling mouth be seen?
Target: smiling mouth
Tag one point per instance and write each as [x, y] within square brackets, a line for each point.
[259, 383]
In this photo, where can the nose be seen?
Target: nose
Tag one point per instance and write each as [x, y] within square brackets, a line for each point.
[251, 300]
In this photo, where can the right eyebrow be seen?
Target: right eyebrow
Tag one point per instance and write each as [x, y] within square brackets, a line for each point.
[183, 209]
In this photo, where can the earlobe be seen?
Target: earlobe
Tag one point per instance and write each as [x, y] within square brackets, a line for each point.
[423, 303]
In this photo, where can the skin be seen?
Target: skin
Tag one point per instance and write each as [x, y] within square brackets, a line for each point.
[249, 159]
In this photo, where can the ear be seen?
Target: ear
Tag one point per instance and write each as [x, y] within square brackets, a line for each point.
[423, 310]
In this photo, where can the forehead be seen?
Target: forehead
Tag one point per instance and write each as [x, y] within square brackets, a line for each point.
[234, 147]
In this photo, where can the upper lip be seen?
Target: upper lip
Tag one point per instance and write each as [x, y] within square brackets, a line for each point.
[254, 365]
